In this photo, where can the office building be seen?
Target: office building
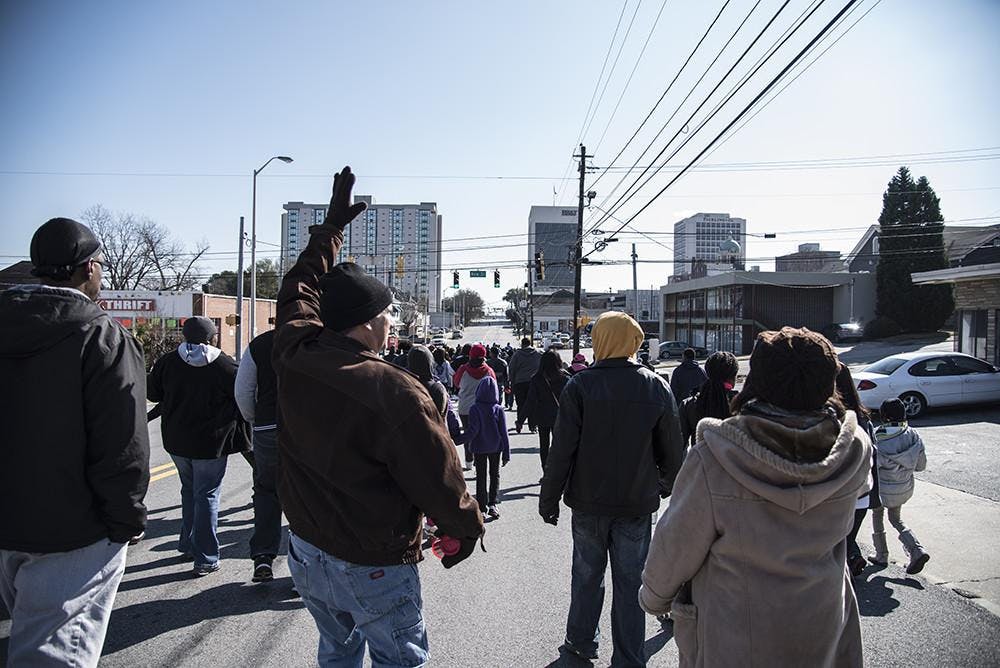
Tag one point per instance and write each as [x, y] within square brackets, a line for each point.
[552, 230]
[701, 237]
[400, 244]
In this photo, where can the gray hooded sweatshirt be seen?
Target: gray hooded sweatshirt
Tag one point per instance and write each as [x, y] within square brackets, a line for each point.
[900, 453]
[759, 537]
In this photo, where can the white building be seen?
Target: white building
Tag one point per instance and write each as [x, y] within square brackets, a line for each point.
[699, 237]
[400, 244]
[552, 230]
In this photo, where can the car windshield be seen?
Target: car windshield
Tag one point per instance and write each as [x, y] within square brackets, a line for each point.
[885, 367]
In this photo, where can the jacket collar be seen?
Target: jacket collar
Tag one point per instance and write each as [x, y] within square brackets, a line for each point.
[613, 363]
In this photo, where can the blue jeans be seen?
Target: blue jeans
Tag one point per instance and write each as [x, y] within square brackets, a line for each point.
[266, 538]
[60, 603]
[627, 541]
[354, 604]
[201, 486]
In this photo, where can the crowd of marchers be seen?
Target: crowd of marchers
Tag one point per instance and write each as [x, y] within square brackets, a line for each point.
[360, 450]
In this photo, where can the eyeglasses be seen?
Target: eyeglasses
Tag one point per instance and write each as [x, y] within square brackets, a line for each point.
[392, 311]
[103, 263]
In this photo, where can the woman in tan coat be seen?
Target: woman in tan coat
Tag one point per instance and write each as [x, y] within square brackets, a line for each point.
[749, 558]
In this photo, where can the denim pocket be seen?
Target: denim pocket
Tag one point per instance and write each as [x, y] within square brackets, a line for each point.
[298, 567]
[409, 634]
[685, 616]
[378, 590]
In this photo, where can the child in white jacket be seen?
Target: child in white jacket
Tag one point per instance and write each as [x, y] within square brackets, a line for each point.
[900, 453]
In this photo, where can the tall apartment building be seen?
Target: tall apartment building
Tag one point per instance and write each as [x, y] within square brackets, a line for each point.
[700, 236]
[552, 230]
[400, 244]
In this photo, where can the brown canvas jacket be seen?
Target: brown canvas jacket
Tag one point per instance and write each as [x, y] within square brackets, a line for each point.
[363, 451]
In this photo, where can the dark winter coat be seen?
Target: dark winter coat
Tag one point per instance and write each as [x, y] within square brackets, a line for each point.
[74, 451]
[686, 379]
[616, 442]
[523, 365]
[364, 452]
[690, 415]
[542, 403]
[194, 386]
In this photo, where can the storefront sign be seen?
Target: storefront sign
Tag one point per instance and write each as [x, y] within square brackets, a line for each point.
[127, 304]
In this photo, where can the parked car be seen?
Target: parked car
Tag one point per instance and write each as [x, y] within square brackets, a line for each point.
[438, 340]
[925, 380]
[843, 332]
[456, 333]
[669, 349]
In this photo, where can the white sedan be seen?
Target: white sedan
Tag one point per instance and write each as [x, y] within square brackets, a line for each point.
[928, 379]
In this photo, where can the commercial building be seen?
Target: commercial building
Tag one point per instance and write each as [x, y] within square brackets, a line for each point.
[400, 244]
[552, 231]
[727, 311]
[699, 238]
[810, 258]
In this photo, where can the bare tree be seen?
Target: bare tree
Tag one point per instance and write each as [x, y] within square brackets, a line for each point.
[142, 253]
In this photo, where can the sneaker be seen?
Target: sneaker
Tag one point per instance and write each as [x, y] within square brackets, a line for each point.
[857, 565]
[262, 570]
[134, 540]
[876, 560]
[493, 512]
[205, 569]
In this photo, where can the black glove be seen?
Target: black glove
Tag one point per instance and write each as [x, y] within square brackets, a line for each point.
[550, 514]
[466, 546]
[340, 212]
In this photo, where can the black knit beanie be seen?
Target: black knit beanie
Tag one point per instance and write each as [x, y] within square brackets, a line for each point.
[199, 329]
[795, 369]
[59, 246]
[351, 297]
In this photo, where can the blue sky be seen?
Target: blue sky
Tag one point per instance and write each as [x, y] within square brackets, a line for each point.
[164, 109]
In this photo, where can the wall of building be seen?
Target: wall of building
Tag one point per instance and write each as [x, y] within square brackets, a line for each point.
[977, 299]
[863, 308]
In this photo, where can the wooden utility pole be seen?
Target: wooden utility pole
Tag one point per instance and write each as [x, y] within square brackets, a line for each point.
[578, 259]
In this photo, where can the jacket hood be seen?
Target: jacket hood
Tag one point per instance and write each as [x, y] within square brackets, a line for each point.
[35, 318]
[477, 372]
[736, 443]
[420, 361]
[895, 443]
[526, 352]
[486, 391]
[198, 354]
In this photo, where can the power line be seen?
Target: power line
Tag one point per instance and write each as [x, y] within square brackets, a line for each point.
[593, 96]
[746, 109]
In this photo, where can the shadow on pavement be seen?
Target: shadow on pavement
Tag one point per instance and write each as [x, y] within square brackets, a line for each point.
[144, 621]
[660, 640]
[524, 451]
[958, 415]
[875, 596]
[505, 494]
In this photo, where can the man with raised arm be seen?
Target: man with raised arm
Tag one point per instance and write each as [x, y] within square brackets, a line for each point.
[364, 453]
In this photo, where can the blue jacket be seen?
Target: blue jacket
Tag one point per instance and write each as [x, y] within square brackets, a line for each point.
[487, 429]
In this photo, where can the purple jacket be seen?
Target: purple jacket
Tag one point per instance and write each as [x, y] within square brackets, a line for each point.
[487, 428]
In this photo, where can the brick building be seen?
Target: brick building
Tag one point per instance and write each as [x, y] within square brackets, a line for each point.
[977, 307]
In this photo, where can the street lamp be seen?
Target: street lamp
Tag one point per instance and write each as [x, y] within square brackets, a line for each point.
[253, 245]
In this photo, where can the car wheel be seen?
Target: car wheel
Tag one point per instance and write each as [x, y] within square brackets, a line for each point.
[914, 404]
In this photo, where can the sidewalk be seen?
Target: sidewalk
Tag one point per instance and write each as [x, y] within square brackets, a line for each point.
[962, 534]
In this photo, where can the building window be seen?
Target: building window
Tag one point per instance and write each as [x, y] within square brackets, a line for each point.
[972, 340]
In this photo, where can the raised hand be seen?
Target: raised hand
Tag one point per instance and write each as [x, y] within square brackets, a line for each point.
[341, 212]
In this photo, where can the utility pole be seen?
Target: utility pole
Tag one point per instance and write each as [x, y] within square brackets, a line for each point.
[579, 250]
[635, 289]
[239, 295]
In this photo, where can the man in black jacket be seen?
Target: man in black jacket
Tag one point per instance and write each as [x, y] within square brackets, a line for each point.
[616, 444]
[74, 455]
[201, 427]
[687, 377]
[257, 396]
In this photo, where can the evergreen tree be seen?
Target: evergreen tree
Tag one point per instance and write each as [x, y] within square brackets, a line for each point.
[911, 239]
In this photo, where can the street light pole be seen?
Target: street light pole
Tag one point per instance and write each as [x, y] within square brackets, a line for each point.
[253, 244]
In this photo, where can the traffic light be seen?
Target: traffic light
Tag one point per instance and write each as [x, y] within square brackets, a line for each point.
[496, 278]
[539, 266]
[399, 266]
[454, 279]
